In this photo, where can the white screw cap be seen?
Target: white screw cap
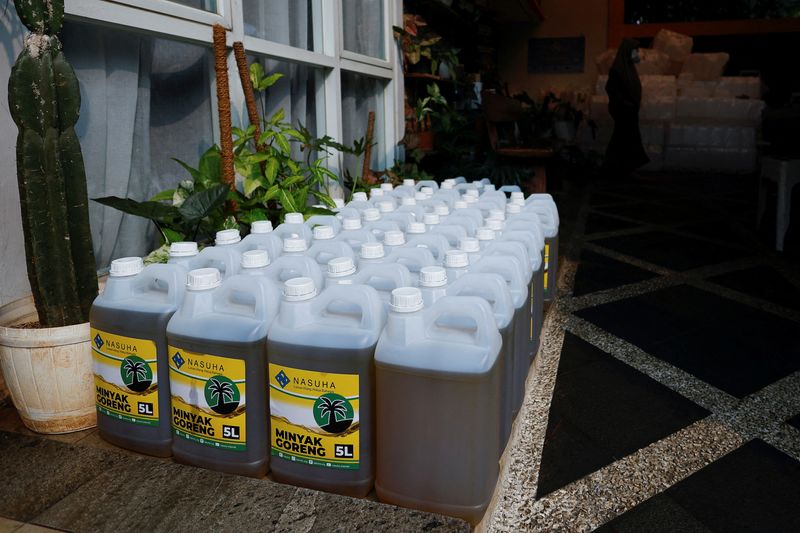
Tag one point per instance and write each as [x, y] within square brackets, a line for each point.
[517, 195]
[385, 207]
[485, 234]
[374, 193]
[227, 237]
[255, 259]
[495, 224]
[471, 199]
[299, 289]
[371, 214]
[497, 213]
[360, 196]
[294, 244]
[293, 218]
[431, 219]
[351, 223]
[456, 259]
[460, 204]
[183, 249]
[489, 187]
[426, 190]
[261, 226]
[415, 228]
[202, 279]
[441, 210]
[447, 185]
[372, 250]
[407, 200]
[338, 203]
[472, 192]
[394, 238]
[432, 276]
[513, 209]
[518, 201]
[406, 300]
[469, 245]
[341, 266]
[387, 187]
[126, 266]
[323, 232]
[409, 183]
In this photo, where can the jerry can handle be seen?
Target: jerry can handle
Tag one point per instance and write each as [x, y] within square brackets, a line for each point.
[395, 272]
[173, 275]
[266, 297]
[308, 268]
[502, 263]
[472, 307]
[492, 283]
[423, 256]
[363, 296]
[427, 183]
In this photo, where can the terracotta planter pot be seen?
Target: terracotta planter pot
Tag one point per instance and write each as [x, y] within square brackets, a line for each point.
[426, 140]
[48, 371]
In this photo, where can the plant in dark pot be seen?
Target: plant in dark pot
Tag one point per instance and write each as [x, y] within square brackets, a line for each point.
[419, 133]
[44, 339]
[417, 41]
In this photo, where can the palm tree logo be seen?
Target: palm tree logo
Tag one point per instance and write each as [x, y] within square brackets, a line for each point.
[222, 395]
[136, 373]
[333, 413]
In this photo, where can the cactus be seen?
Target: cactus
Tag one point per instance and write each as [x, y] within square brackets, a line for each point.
[44, 99]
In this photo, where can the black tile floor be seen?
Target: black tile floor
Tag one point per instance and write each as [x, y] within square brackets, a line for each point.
[666, 396]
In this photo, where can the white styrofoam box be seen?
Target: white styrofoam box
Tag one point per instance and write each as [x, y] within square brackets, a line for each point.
[658, 109]
[722, 109]
[710, 159]
[653, 86]
[652, 62]
[730, 136]
[605, 60]
[732, 87]
[675, 45]
[706, 67]
[698, 89]
[598, 106]
[653, 133]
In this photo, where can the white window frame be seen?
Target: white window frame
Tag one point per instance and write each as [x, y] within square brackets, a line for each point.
[177, 21]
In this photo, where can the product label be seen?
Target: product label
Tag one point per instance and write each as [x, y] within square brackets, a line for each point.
[314, 417]
[530, 290]
[208, 399]
[125, 378]
[546, 263]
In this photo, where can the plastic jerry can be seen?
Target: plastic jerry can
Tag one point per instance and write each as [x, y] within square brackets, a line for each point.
[432, 363]
[128, 324]
[472, 247]
[409, 205]
[435, 242]
[493, 289]
[427, 183]
[360, 202]
[183, 253]
[456, 263]
[294, 224]
[291, 266]
[384, 278]
[374, 223]
[322, 387]
[412, 258]
[225, 255]
[217, 372]
[512, 271]
[497, 226]
[462, 208]
[406, 190]
[372, 253]
[255, 263]
[464, 221]
[324, 220]
[485, 237]
[452, 232]
[262, 238]
[533, 245]
[354, 234]
[550, 229]
[432, 284]
[403, 219]
[325, 247]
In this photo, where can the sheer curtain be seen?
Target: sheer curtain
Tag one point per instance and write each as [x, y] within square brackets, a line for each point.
[362, 27]
[144, 101]
[360, 95]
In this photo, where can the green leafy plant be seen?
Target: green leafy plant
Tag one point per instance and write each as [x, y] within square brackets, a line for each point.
[417, 42]
[44, 100]
[424, 107]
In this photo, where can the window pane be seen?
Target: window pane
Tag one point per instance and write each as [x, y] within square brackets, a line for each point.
[300, 93]
[646, 11]
[144, 101]
[205, 5]
[362, 27]
[360, 95]
[289, 22]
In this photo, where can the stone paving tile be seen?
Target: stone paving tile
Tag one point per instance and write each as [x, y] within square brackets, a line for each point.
[39, 472]
[7, 525]
[597, 272]
[762, 282]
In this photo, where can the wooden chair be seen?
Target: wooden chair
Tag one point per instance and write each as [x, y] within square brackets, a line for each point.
[502, 114]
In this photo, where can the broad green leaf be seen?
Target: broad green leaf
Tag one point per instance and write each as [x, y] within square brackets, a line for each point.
[272, 169]
[192, 171]
[199, 205]
[151, 210]
[266, 136]
[252, 215]
[269, 81]
[171, 235]
[277, 116]
[292, 180]
[271, 193]
[256, 74]
[250, 186]
[318, 211]
[163, 196]
[287, 201]
[283, 144]
[209, 167]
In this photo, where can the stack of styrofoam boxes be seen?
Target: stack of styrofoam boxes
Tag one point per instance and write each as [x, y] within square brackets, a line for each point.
[658, 109]
[715, 126]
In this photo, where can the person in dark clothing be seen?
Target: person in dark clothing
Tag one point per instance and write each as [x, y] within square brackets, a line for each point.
[625, 152]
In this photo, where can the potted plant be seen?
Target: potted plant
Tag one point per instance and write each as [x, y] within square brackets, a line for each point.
[421, 135]
[44, 339]
[417, 42]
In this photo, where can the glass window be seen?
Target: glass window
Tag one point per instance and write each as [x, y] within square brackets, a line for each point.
[205, 5]
[362, 27]
[289, 22]
[145, 101]
[360, 95]
[647, 12]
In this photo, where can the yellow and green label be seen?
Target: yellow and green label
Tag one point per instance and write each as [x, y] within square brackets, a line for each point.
[314, 417]
[546, 263]
[208, 399]
[125, 378]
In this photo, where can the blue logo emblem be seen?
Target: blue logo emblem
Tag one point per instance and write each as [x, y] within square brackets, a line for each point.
[282, 379]
[98, 341]
[178, 360]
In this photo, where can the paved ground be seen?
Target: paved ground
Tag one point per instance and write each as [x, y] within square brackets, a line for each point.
[667, 395]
